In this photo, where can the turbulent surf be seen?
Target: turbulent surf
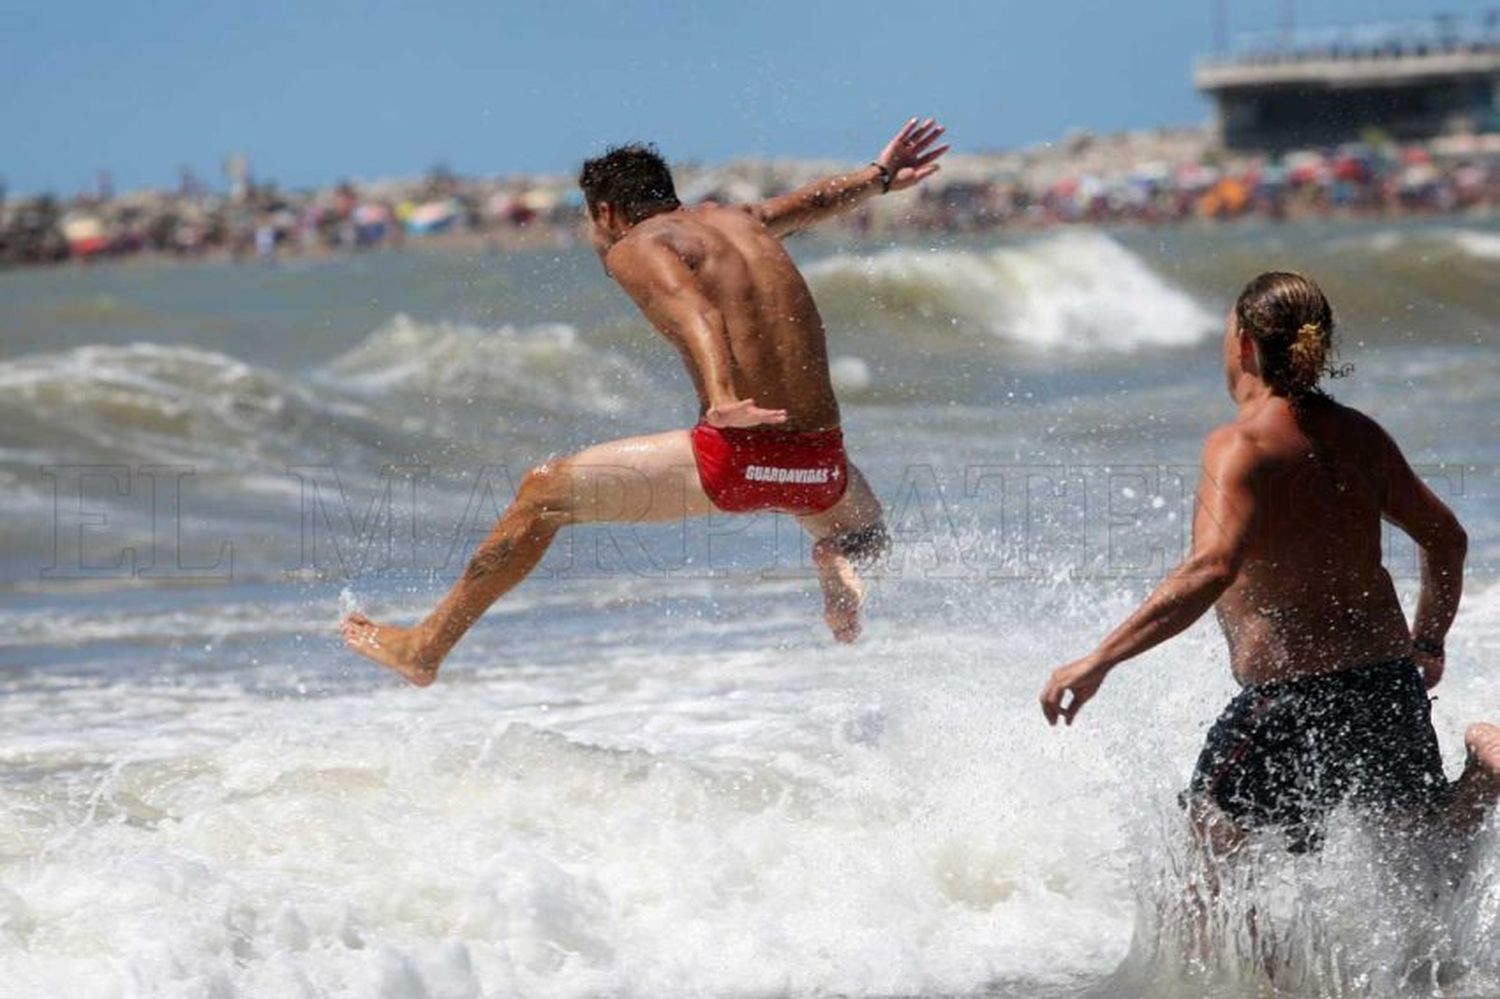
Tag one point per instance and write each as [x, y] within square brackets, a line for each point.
[648, 773]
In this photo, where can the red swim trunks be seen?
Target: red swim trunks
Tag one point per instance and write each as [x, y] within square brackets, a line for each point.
[744, 470]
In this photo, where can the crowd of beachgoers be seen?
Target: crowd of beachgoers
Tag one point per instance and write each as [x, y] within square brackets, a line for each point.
[1152, 178]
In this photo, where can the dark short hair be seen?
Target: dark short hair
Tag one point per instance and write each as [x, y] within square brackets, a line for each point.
[1291, 322]
[633, 178]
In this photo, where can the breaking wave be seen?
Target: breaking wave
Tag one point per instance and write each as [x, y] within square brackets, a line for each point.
[153, 402]
[546, 367]
[147, 401]
[1074, 291]
[1429, 245]
[1484, 245]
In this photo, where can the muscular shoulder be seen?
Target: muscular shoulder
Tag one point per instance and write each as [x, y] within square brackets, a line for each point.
[1361, 425]
[1236, 437]
[649, 244]
[1235, 450]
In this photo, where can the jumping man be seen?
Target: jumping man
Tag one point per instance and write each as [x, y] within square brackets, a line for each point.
[717, 283]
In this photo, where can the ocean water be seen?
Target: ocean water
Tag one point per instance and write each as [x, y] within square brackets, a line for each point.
[649, 772]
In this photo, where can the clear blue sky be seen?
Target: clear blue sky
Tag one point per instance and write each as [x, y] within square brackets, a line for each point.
[319, 89]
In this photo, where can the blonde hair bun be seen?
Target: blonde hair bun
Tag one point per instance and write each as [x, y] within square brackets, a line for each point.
[1291, 322]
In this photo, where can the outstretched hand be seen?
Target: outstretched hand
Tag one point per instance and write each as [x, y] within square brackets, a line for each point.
[744, 413]
[909, 157]
[1082, 678]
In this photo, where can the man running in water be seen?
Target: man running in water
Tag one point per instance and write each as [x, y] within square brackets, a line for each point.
[717, 283]
[1287, 548]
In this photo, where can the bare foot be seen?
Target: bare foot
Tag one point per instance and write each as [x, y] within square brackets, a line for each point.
[1483, 742]
[395, 648]
[1475, 792]
[843, 593]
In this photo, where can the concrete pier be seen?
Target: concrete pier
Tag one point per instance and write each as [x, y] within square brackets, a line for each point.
[1408, 88]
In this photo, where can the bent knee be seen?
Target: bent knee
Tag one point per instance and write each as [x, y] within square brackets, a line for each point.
[546, 489]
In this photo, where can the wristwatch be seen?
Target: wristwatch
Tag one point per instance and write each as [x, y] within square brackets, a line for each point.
[1428, 647]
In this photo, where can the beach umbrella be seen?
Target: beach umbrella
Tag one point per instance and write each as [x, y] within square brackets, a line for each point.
[1469, 177]
[1065, 188]
[370, 221]
[1418, 176]
[433, 216]
[499, 204]
[1306, 173]
[1226, 198]
[1196, 176]
[371, 214]
[1349, 168]
[85, 235]
[539, 199]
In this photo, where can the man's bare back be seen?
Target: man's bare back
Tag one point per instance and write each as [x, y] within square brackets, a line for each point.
[777, 345]
[1312, 595]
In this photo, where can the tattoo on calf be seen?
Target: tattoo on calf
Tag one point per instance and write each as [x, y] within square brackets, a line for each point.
[489, 559]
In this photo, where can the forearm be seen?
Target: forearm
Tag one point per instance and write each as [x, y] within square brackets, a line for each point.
[1181, 599]
[822, 199]
[1442, 588]
[708, 349]
[832, 195]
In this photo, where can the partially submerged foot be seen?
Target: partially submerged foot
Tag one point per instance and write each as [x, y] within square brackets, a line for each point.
[843, 593]
[397, 649]
[1475, 792]
[1483, 742]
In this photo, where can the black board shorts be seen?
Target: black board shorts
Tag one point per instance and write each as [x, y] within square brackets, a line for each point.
[1285, 754]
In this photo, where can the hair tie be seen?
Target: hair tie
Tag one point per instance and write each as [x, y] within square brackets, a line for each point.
[1309, 329]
